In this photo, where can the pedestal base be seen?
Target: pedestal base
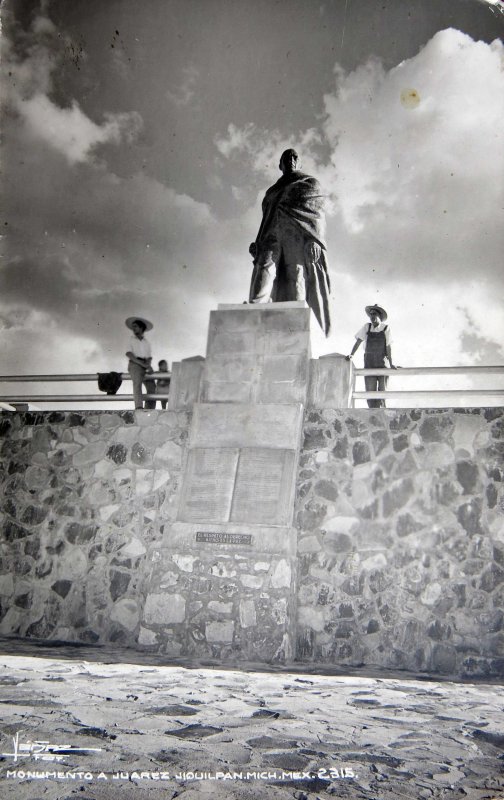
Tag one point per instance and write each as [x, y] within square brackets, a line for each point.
[224, 592]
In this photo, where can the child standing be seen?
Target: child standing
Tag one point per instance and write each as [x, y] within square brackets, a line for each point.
[163, 384]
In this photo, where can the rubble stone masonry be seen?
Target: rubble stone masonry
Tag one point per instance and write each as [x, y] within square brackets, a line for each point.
[401, 539]
[400, 552]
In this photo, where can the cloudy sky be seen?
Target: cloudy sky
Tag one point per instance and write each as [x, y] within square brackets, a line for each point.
[139, 138]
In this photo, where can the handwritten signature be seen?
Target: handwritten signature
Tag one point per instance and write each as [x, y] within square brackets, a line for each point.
[45, 751]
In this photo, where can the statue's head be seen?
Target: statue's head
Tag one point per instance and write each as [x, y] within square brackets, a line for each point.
[288, 160]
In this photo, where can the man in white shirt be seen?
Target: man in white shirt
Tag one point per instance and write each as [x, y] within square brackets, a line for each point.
[140, 357]
[376, 336]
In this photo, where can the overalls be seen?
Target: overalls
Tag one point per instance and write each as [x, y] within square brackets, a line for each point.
[374, 356]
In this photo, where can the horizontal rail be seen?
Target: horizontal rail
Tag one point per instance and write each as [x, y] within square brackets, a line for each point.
[423, 394]
[54, 378]
[430, 371]
[93, 376]
[71, 378]
[54, 398]
[428, 393]
[75, 398]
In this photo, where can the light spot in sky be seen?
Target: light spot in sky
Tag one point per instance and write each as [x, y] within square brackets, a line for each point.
[410, 98]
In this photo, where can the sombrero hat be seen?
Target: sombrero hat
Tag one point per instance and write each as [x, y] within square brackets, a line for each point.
[379, 310]
[131, 320]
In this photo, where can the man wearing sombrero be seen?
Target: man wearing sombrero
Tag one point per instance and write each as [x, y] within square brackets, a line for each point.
[140, 357]
[376, 336]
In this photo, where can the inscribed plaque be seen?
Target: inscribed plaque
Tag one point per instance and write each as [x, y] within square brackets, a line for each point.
[208, 484]
[264, 486]
[218, 537]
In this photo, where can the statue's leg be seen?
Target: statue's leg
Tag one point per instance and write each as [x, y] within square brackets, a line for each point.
[293, 253]
[295, 274]
[263, 276]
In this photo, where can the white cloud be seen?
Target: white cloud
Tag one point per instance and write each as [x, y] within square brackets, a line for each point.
[237, 140]
[184, 93]
[41, 333]
[89, 247]
[70, 131]
[30, 57]
[396, 163]
[262, 149]
[29, 82]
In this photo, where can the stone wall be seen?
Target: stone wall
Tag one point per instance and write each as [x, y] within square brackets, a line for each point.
[222, 594]
[84, 497]
[400, 551]
[401, 539]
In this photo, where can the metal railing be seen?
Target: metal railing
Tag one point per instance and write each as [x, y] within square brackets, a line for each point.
[14, 399]
[428, 394]
[419, 395]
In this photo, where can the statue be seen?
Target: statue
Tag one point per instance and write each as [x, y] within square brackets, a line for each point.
[289, 251]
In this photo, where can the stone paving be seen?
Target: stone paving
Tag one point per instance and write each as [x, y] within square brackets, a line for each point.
[196, 730]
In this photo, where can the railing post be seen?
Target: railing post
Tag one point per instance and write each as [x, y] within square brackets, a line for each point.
[331, 382]
[352, 378]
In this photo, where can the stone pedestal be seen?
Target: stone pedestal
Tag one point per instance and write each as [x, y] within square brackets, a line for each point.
[223, 581]
[257, 354]
[223, 591]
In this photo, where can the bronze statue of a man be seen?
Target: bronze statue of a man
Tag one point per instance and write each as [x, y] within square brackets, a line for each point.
[289, 250]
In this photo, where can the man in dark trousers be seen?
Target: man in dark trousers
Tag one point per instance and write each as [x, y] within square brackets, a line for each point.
[139, 360]
[376, 336]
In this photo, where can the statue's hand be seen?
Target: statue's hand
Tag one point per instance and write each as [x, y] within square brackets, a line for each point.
[314, 251]
[253, 250]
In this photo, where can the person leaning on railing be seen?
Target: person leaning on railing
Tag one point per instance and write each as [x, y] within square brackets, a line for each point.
[140, 357]
[377, 337]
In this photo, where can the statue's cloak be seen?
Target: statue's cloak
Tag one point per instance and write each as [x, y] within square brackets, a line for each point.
[299, 197]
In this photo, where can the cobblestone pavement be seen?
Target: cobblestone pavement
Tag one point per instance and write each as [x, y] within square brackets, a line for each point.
[196, 731]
